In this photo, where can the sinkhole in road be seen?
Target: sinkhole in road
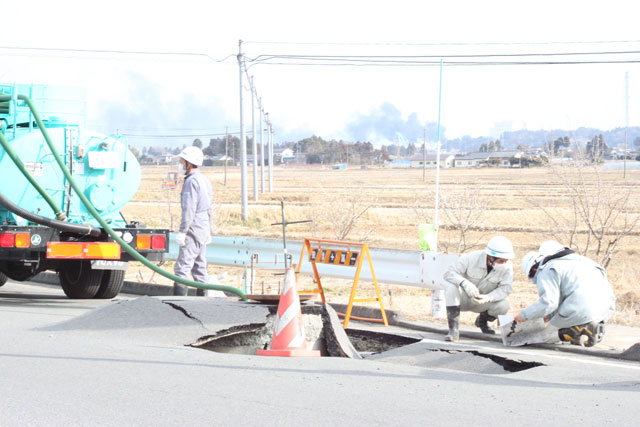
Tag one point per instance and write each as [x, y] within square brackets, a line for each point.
[248, 339]
[334, 341]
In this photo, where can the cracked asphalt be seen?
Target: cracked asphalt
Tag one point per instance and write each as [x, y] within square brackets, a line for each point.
[128, 362]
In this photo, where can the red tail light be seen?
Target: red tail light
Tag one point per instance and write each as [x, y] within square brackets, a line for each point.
[158, 241]
[7, 240]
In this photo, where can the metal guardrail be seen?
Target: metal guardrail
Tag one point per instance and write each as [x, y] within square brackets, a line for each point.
[392, 266]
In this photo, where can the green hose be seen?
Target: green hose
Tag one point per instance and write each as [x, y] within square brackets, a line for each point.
[106, 226]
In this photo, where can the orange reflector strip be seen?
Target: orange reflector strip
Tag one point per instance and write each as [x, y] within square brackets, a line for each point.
[83, 250]
[143, 241]
[65, 250]
[102, 250]
[23, 240]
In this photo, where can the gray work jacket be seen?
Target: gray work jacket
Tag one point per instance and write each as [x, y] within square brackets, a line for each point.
[473, 268]
[196, 199]
[573, 290]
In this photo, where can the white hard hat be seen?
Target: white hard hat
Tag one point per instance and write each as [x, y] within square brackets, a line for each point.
[500, 247]
[550, 247]
[529, 260]
[192, 155]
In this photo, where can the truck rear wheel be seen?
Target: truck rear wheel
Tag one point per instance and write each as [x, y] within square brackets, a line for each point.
[79, 280]
[3, 279]
[111, 284]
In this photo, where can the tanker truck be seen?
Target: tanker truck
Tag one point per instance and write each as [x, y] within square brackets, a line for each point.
[62, 187]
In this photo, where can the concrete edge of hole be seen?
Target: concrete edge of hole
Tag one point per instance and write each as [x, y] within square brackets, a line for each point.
[338, 341]
[378, 342]
[330, 337]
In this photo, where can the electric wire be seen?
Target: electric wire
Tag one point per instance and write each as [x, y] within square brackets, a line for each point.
[116, 52]
[576, 42]
[408, 57]
[449, 64]
[197, 135]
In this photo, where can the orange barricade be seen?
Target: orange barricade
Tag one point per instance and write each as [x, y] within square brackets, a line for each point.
[346, 254]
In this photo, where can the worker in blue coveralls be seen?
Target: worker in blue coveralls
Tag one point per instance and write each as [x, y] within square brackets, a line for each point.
[196, 199]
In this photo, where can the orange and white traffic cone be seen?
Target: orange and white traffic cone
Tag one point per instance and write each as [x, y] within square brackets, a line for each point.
[288, 331]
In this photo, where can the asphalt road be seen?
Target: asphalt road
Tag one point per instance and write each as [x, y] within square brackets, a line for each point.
[119, 363]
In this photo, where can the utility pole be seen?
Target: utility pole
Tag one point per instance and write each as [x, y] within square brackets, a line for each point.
[254, 142]
[261, 147]
[424, 157]
[437, 295]
[435, 216]
[270, 145]
[226, 153]
[626, 125]
[243, 144]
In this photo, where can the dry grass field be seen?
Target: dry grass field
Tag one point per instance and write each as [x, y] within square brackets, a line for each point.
[384, 206]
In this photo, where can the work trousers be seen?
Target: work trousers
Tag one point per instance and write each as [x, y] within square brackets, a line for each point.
[192, 259]
[456, 296]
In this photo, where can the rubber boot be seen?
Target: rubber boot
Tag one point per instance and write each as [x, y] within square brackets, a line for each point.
[586, 335]
[179, 289]
[453, 318]
[481, 322]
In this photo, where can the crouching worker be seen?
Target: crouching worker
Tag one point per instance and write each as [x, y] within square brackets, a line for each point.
[479, 281]
[574, 293]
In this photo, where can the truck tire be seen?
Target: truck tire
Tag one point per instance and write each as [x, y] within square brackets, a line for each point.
[3, 279]
[111, 284]
[79, 280]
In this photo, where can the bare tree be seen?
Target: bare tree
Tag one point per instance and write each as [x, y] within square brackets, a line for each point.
[463, 213]
[341, 213]
[601, 213]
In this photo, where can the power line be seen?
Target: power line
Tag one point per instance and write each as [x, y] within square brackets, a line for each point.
[450, 63]
[452, 59]
[408, 57]
[197, 135]
[581, 42]
[116, 52]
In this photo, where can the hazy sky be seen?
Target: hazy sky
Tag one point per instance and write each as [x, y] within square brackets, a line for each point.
[135, 93]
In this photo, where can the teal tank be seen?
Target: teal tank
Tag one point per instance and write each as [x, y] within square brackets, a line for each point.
[102, 165]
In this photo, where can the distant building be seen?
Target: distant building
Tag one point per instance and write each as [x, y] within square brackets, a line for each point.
[280, 156]
[217, 160]
[400, 163]
[446, 160]
[283, 155]
[486, 159]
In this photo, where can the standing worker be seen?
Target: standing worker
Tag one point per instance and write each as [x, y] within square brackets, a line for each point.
[196, 200]
[479, 281]
[574, 293]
